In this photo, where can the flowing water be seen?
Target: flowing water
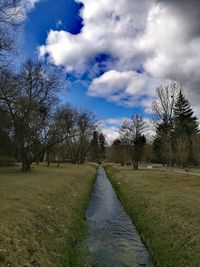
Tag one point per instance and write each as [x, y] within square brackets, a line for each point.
[113, 241]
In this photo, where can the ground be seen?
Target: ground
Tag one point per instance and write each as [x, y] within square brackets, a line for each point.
[42, 214]
[165, 207]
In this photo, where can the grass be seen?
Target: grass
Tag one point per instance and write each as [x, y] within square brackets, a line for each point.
[165, 208]
[42, 215]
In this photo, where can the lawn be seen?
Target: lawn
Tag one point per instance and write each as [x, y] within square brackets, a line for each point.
[165, 208]
[42, 215]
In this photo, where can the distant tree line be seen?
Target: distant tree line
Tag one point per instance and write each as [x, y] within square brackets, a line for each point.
[97, 152]
[130, 146]
[177, 138]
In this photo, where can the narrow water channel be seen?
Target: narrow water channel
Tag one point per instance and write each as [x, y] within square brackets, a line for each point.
[113, 241]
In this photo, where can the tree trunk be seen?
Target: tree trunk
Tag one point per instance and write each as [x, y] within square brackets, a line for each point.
[135, 165]
[26, 166]
[48, 158]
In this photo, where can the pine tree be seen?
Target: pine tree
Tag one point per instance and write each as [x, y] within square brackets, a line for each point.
[185, 124]
[102, 146]
[185, 127]
[161, 146]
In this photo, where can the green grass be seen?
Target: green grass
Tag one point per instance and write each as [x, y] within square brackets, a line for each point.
[42, 215]
[165, 208]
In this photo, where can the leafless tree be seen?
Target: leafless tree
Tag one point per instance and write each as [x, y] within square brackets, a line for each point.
[29, 98]
[163, 110]
[83, 126]
[131, 134]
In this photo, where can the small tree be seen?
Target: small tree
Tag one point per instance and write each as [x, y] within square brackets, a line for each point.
[94, 147]
[132, 134]
[102, 146]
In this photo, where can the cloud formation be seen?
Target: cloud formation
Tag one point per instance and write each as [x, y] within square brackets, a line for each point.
[147, 41]
[126, 88]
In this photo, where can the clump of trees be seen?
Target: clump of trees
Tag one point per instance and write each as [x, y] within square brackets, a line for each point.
[97, 150]
[177, 138]
[118, 152]
[130, 146]
[177, 128]
[34, 122]
[33, 125]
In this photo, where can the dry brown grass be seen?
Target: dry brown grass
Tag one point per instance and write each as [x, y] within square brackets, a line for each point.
[165, 207]
[42, 215]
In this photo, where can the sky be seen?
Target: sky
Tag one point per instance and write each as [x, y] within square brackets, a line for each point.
[115, 53]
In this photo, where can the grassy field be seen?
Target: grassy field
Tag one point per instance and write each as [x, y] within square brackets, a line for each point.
[42, 215]
[165, 208]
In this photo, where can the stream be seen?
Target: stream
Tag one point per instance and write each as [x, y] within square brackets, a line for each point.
[113, 239]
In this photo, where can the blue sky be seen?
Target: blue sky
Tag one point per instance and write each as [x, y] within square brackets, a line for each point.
[64, 15]
[50, 14]
[116, 53]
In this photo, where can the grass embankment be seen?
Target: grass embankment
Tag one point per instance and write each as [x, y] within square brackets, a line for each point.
[165, 208]
[42, 215]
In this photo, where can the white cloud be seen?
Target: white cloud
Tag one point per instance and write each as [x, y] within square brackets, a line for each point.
[111, 133]
[109, 27]
[127, 88]
[159, 37]
[171, 52]
[114, 121]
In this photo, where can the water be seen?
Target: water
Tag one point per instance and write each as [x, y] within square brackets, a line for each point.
[113, 241]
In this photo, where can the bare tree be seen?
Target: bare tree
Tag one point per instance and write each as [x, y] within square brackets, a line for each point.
[163, 110]
[131, 134]
[29, 98]
[83, 126]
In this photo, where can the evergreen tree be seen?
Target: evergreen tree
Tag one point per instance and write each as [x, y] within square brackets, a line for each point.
[185, 124]
[161, 147]
[102, 146]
